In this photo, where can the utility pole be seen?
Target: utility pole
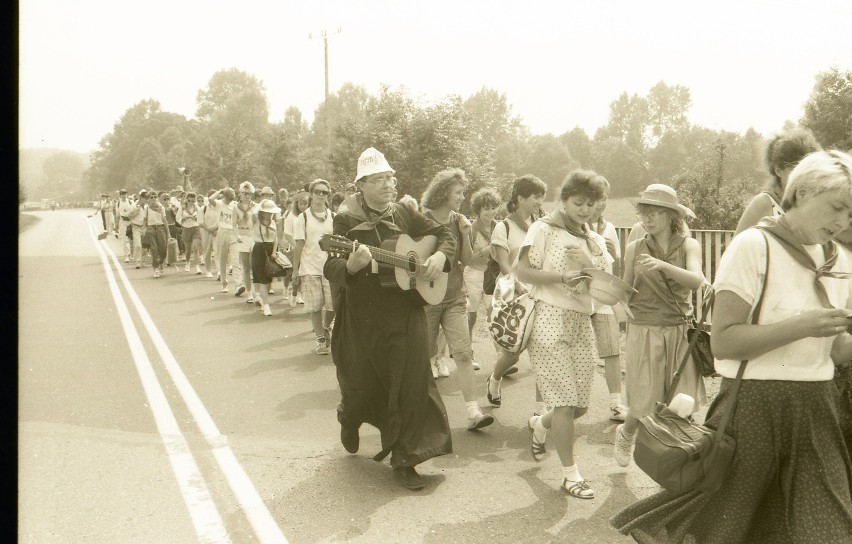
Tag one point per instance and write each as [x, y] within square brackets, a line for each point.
[324, 35]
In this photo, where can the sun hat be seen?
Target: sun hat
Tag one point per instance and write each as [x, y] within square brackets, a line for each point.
[659, 194]
[372, 161]
[267, 191]
[269, 206]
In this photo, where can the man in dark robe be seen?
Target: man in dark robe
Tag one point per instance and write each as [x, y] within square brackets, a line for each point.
[379, 341]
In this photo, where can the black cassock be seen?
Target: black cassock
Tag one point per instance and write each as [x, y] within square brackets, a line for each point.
[379, 341]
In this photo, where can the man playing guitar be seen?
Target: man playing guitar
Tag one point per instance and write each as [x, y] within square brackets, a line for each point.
[379, 341]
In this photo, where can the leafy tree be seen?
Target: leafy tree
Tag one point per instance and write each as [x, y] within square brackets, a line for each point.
[828, 111]
[717, 207]
[550, 160]
[620, 164]
[579, 145]
[666, 109]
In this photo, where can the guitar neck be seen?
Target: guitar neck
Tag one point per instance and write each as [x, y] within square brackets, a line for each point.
[384, 256]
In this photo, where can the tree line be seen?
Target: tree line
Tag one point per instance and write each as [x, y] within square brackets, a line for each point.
[647, 139]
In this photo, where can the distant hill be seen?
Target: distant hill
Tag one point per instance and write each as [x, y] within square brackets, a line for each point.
[51, 173]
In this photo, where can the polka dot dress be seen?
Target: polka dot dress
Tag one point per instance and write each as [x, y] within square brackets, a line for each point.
[563, 353]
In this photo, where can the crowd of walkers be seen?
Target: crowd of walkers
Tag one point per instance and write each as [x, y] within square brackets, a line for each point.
[791, 474]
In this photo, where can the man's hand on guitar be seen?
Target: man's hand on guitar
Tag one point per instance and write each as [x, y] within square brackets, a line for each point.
[358, 259]
[433, 266]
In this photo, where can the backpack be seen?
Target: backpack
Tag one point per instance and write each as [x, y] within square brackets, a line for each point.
[492, 269]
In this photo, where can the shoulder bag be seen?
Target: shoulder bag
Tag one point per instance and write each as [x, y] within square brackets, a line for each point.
[272, 267]
[680, 455]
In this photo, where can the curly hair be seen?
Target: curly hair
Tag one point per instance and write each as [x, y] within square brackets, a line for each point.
[787, 149]
[296, 197]
[438, 191]
[583, 182]
[525, 186]
[484, 198]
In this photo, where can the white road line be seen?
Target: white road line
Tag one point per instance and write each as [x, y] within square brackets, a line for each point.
[265, 527]
[202, 510]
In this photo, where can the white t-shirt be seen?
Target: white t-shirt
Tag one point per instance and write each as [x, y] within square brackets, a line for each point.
[513, 242]
[789, 292]
[313, 258]
[226, 213]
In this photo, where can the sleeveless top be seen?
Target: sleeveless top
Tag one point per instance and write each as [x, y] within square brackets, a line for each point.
[660, 300]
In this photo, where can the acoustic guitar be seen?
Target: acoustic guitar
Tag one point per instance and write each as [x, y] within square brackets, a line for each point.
[405, 257]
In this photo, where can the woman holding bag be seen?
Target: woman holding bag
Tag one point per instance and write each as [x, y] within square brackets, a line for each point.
[562, 343]
[790, 476]
[265, 239]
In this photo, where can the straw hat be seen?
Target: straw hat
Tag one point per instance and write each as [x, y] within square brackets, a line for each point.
[658, 194]
[269, 206]
[370, 162]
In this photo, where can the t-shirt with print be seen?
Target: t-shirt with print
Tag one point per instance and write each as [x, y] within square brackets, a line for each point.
[455, 280]
[226, 213]
[789, 292]
[310, 229]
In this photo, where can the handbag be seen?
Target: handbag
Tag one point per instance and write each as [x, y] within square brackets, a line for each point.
[511, 317]
[680, 455]
[276, 265]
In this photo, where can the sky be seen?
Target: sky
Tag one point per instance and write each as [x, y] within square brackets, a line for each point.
[747, 63]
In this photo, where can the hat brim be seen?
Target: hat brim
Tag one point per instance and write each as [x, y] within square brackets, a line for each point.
[680, 208]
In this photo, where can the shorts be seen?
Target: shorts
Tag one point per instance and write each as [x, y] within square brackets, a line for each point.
[259, 253]
[607, 335]
[316, 292]
[452, 317]
[473, 279]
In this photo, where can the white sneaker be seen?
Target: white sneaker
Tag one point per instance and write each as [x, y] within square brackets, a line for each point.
[267, 310]
[198, 269]
[617, 412]
[479, 421]
[322, 348]
[434, 369]
[440, 366]
[210, 275]
[156, 272]
[224, 289]
[271, 290]
[622, 449]
[474, 363]
[299, 299]
[126, 260]
[186, 268]
[250, 299]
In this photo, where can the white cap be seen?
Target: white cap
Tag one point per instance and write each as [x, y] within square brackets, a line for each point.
[372, 161]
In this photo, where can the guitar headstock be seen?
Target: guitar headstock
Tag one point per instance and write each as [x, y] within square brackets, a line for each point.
[336, 245]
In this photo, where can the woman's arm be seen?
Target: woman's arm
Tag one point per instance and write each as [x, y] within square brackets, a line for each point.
[691, 277]
[533, 276]
[466, 249]
[629, 253]
[759, 207]
[732, 337]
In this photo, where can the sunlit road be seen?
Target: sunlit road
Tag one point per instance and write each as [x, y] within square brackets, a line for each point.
[160, 410]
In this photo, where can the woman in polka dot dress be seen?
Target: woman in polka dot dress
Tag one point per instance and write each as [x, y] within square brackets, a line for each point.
[562, 345]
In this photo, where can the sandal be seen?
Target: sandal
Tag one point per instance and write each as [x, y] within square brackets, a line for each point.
[494, 400]
[580, 489]
[537, 448]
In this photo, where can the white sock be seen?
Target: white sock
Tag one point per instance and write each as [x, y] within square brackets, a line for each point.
[493, 385]
[629, 436]
[539, 430]
[614, 399]
[571, 473]
[472, 407]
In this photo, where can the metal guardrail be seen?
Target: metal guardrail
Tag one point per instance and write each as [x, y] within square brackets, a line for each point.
[713, 245]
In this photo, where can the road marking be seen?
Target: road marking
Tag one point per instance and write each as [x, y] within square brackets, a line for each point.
[265, 527]
[202, 510]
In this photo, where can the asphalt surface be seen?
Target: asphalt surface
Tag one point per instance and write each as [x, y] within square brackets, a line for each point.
[170, 412]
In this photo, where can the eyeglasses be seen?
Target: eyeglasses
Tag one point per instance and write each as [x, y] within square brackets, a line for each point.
[321, 193]
[270, 195]
[246, 193]
[649, 214]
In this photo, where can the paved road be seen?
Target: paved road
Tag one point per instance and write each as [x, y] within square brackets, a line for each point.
[159, 410]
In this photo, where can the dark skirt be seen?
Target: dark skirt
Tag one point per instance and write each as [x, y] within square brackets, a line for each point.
[260, 251]
[843, 381]
[789, 480]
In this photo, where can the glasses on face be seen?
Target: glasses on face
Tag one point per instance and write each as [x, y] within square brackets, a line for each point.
[649, 214]
[387, 180]
[247, 193]
[320, 192]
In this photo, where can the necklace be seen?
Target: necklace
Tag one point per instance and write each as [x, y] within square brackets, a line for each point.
[322, 218]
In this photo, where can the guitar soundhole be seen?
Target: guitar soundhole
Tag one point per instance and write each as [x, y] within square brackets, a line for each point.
[412, 264]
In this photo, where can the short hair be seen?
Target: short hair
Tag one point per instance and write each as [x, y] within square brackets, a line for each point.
[191, 195]
[316, 182]
[438, 191]
[584, 183]
[525, 186]
[230, 193]
[817, 173]
[337, 198]
[247, 186]
[484, 198]
[787, 149]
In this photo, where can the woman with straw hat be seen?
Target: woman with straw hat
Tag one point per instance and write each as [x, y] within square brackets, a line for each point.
[664, 267]
[265, 239]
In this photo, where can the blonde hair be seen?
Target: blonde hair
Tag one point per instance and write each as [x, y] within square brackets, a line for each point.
[817, 173]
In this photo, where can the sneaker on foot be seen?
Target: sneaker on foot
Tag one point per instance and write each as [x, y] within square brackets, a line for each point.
[127, 260]
[271, 290]
[622, 449]
[434, 369]
[299, 299]
[186, 268]
[250, 299]
[210, 275]
[617, 412]
[267, 310]
[156, 272]
[474, 363]
[198, 269]
[240, 290]
[441, 366]
[479, 421]
[224, 289]
[321, 348]
[138, 266]
[218, 277]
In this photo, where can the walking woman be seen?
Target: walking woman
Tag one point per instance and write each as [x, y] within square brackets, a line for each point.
[155, 223]
[665, 268]
[245, 238]
[484, 204]
[524, 207]
[265, 240]
[789, 480]
[301, 201]
[562, 345]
